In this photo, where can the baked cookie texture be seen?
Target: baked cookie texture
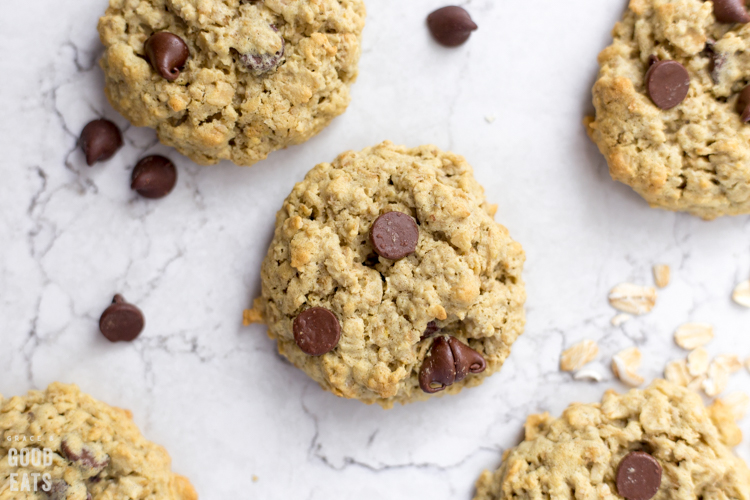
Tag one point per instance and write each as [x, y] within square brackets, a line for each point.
[219, 108]
[694, 157]
[97, 451]
[577, 455]
[465, 273]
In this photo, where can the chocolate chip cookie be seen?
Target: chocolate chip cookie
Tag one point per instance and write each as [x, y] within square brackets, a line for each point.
[231, 79]
[672, 106]
[62, 444]
[660, 443]
[388, 280]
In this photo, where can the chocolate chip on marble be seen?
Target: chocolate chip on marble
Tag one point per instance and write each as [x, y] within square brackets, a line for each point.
[731, 11]
[394, 235]
[154, 177]
[743, 104]
[121, 322]
[316, 331]
[167, 54]
[451, 26]
[638, 476]
[100, 140]
[432, 329]
[438, 368]
[467, 359]
[667, 83]
[263, 63]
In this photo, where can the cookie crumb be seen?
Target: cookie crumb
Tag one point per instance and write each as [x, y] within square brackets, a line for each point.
[633, 299]
[250, 316]
[693, 335]
[578, 356]
[662, 274]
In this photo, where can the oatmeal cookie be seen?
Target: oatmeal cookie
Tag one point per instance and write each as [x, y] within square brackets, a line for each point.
[671, 118]
[388, 280]
[80, 449]
[659, 443]
[231, 79]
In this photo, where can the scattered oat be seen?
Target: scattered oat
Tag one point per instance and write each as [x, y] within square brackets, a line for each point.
[677, 373]
[717, 381]
[693, 335]
[730, 362]
[697, 383]
[747, 364]
[625, 364]
[741, 294]
[633, 299]
[739, 402]
[621, 319]
[698, 362]
[578, 356]
[589, 375]
[662, 274]
[255, 478]
[490, 118]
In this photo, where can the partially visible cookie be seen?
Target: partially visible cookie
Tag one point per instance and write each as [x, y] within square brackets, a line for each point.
[84, 449]
[231, 79]
[671, 118]
[388, 280]
[659, 443]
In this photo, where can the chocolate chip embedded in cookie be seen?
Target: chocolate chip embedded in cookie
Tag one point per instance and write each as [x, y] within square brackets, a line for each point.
[388, 281]
[231, 79]
[94, 451]
[619, 448]
[675, 130]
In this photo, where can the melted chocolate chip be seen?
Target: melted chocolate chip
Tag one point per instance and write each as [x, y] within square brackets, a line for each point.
[154, 177]
[467, 359]
[317, 331]
[731, 11]
[263, 63]
[638, 476]
[85, 458]
[167, 54]
[57, 490]
[432, 329]
[451, 26]
[121, 322]
[743, 104]
[100, 140]
[715, 60]
[394, 235]
[667, 83]
[438, 368]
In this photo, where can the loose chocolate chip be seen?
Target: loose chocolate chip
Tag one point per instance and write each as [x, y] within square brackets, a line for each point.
[743, 104]
[394, 235]
[263, 63]
[154, 177]
[451, 26]
[438, 368]
[432, 329]
[731, 11]
[167, 53]
[466, 359]
[317, 331]
[100, 140]
[638, 476]
[667, 83]
[121, 321]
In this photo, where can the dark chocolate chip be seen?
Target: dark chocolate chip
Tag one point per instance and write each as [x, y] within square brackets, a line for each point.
[432, 329]
[100, 140]
[467, 359]
[638, 476]
[121, 321]
[394, 235]
[167, 54]
[652, 59]
[154, 177]
[84, 459]
[317, 331]
[263, 63]
[743, 104]
[438, 368]
[731, 11]
[451, 26]
[715, 60]
[667, 83]
[57, 490]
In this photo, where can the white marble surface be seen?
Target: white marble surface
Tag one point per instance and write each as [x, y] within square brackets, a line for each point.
[216, 394]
